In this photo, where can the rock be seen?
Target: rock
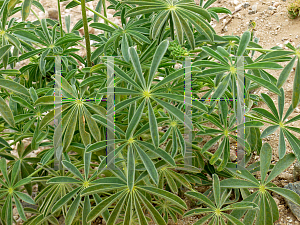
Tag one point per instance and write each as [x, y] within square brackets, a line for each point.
[53, 13]
[238, 15]
[277, 201]
[235, 2]
[253, 9]
[276, 4]
[237, 8]
[296, 171]
[295, 187]
[271, 8]
[251, 12]
[285, 176]
[246, 5]
[233, 156]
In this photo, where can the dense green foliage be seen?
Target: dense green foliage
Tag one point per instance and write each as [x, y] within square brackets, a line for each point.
[150, 180]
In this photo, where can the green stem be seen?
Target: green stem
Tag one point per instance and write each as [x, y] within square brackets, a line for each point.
[86, 34]
[105, 15]
[98, 14]
[35, 15]
[60, 20]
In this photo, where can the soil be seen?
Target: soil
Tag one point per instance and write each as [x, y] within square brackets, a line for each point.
[273, 27]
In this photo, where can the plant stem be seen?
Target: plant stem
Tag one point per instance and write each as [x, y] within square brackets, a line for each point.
[98, 14]
[35, 15]
[86, 34]
[60, 20]
[105, 15]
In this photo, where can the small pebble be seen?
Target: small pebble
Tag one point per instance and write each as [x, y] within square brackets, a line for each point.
[271, 8]
[246, 5]
[53, 13]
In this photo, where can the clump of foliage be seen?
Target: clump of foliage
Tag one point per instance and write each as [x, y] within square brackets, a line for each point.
[294, 9]
[149, 176]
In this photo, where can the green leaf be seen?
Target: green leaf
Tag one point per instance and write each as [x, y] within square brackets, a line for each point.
[153, 126]
[45, 100]
[271, 87]
[158, 151]
[63, 180]
[263, 66]
[233, 219]
[280, 166]
[269, 130]
[153, 211]
[158, 55]
[72, 210]
[265, 160]
[14, 87]
[285, 73]
[222, 87]
[244, 41]
[120, 73]
[236, 183]
[20, 208]
[210, 143]
[70, 129]
[135, 121]
[67, 39]
[296, 88]
[28, 36]
[103, 205]
[281, 145]
[22, 182]
[217, 190]
[116, 211]
[11, 4]
[270, 104]
[64, 200]
[140, 213]
[215, 55]
[286, 193]
[294, 142]
[266, 114]
[26, 6]
[137, 66]
[6, 113]
[149, 165]
[3, 168]
[201, 198]
[164, 194]
[218, 153]
[125, 47]
[25, 197]
[174, 111]
[4, 50]
[72, 169]
[101, 26]
[130, 168]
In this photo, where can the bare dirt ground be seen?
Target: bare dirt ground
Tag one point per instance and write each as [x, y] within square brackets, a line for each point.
[274, 27]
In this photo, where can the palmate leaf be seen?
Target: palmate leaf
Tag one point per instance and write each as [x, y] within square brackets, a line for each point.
[179, 13]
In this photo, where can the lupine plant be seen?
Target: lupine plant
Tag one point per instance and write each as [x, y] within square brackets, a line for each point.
[146, 178]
